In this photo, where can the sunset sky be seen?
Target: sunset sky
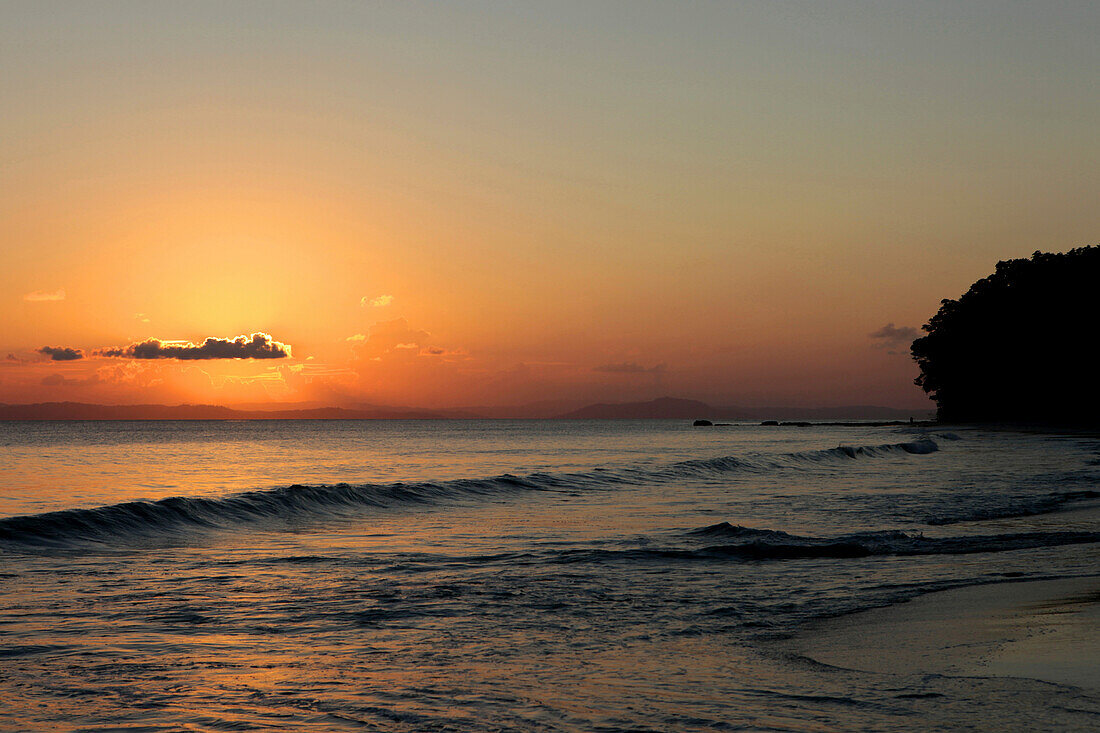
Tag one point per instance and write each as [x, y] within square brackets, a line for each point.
[435, 204]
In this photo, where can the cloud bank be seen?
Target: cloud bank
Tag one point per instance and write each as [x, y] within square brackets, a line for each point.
[253, 346]
[61, 353]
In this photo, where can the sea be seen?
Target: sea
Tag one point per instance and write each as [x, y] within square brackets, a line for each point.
[512, 575]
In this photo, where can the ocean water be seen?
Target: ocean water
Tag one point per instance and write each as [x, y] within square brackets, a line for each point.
[500, 575]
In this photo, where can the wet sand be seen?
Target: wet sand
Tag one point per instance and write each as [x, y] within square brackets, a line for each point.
[1045, 630]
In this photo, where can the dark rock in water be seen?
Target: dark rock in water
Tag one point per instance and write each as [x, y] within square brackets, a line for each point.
[795, 424]
[702, 423]
[770, 422]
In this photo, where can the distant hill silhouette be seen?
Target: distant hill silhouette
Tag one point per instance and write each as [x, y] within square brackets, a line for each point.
[540, 410]
[83, 411]
[668, 408]
[1016, 347]
[840, 412]
[671, 408]
[664, 407]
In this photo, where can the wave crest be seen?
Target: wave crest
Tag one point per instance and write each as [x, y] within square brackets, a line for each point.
[748, 544]
[168, 519]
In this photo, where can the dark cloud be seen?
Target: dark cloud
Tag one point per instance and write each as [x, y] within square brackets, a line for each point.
[895, 339]
[629, 367]
[254, 346]
[892, 335]
[61, 353]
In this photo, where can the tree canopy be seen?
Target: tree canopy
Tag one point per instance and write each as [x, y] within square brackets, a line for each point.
[1019, 345]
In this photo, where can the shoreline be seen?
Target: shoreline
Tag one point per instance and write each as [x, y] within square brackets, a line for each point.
[1046, 630]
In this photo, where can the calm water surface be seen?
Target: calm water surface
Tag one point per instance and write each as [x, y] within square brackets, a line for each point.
[494, 575]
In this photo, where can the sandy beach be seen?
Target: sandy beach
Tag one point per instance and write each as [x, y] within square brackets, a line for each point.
[1045, 630]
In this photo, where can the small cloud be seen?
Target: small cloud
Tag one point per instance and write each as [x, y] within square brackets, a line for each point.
[389, 336]
[253, 346]
[377, 302]
[357, 337]
[61, 353]
[141, 317]
[449, 355]
[629, 367]
[42, 296]
[57, 380]
[891, 337]
[313, 371]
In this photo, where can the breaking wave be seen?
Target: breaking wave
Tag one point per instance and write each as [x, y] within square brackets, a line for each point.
[1017, 507]
[747, 544]
[150, 521]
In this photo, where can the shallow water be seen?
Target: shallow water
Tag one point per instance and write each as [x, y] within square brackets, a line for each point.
[488, 575]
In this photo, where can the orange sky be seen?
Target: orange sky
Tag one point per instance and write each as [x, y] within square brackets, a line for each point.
[499, 203]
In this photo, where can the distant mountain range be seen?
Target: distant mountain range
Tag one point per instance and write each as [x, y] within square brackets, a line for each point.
[83, 411]
[669, 408]
[666, 408]
[672, 408]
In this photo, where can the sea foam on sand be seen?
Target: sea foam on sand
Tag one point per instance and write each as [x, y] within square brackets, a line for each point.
[1047, 630]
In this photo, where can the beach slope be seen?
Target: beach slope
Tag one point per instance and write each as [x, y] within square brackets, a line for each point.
[1045, 630]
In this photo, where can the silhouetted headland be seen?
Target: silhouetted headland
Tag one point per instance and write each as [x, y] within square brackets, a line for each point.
[1017, 346]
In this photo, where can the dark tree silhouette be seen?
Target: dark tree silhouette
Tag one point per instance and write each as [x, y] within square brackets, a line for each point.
[1020, 345]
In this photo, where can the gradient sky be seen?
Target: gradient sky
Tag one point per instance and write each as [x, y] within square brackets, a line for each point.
[492, 203]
